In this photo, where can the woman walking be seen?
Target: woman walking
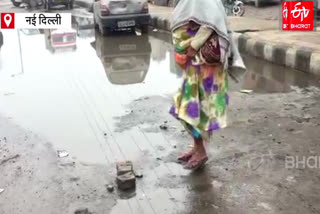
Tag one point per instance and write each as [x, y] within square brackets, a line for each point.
[202, 46]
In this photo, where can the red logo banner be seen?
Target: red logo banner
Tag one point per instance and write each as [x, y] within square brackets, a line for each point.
[297, 16]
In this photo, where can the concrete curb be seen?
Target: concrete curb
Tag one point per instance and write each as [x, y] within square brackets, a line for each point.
[302, 59]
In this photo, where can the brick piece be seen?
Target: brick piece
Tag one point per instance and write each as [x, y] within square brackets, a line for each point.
[124, 167]
[82, 211]
[126, 181]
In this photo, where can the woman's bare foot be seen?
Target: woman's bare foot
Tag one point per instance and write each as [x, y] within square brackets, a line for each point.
[185, 157]
[197, 160]
[199, 157]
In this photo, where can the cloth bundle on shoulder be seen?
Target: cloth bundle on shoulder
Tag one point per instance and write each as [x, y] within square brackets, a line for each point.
[210, 52]
[210, 13]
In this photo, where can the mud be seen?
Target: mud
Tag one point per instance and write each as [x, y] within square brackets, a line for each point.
[246, 172]
[35, 180]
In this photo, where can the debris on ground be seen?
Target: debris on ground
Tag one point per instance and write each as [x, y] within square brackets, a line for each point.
[124, 167]
[62, 153]
[158, 158]
[215, 206]
[246, 91]
[82, 211]
[9, 94]
[9, 159]
[1, 190]
[138, 175]
[126, 178]
[74, 179]
[155, 30]
[290, 129]
[71, 163]
[163, 127]
[110, 188]
[126, 181]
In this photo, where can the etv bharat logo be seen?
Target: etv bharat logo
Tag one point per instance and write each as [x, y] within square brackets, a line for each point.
[297, 15]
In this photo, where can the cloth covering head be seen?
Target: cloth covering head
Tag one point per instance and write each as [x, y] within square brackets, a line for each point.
[210, 13]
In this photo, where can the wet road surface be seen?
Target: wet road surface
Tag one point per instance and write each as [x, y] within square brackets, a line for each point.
[85, 100]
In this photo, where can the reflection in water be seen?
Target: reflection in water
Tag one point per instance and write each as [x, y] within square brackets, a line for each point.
[261, 84]
[203, 195]
[30, 32]
[265, 77]
[62, 39]
[126, 58]
[84, 26]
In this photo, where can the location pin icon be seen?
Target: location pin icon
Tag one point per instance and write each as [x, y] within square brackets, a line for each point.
[7, 19]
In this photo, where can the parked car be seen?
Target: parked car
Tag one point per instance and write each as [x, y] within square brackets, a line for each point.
[27, 3]
[111, 15]
[30, 32]
[1, 39]
[126, 59]
[48, 4]
[169, 3]
[60, 39]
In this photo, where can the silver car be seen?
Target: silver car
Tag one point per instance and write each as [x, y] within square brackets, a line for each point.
[111, 15]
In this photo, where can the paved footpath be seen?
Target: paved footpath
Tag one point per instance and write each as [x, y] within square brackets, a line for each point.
[262, 38]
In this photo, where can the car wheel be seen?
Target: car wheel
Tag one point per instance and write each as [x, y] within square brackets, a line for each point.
[70, 6]
[170, 3]
[104, 31]
[257, 3]
[16, 4]
[47, 5]
[96, 26]
[90, 9]
[144, 28]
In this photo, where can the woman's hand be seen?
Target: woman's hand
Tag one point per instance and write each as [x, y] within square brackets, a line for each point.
[191, 53]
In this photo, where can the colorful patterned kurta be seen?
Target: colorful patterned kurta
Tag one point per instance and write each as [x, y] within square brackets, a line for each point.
[202, 100]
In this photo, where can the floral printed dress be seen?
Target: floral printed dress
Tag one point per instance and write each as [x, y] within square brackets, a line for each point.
[202, 100]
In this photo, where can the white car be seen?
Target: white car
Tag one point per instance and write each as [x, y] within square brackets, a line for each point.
[111, 15]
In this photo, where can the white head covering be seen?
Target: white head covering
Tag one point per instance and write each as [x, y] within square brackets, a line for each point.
[204, 12]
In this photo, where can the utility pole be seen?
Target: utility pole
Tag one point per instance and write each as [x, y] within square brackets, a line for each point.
[21, 61]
